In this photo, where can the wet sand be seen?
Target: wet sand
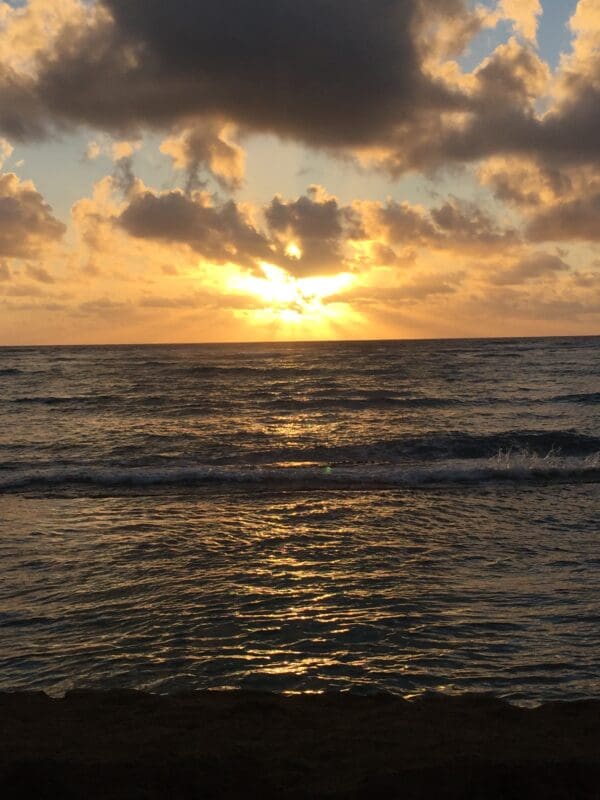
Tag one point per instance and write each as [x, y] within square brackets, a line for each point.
[131, 745]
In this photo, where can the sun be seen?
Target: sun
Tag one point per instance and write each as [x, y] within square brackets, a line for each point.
[293, 251]
[310, 303]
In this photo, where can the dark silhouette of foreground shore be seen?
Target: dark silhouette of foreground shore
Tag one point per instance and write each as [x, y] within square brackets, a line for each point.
[241, 744]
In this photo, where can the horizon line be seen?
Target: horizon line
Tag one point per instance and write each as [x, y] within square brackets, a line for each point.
[305, 341]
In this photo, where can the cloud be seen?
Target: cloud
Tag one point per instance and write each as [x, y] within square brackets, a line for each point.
[92, 151]
[589, 279]
[499, 110]
[38, 273]
[313, 234]
[219, 233]
[558, 204]
[531, 267]
[404, 223]
[524, 15]
[123, 176]
[497, 114]
[201, 300]
[26, 220]
[453, 268]
[310, 232]
[512, 304]
[576, 219]
[411, 292]
[464, 225]
[6, 150]
[207, 146]
[305, 236]
[336, 74]
[23, 290]
[372, 80]
[105, 307]
[524, 183]
[124, 149]
[454, 226]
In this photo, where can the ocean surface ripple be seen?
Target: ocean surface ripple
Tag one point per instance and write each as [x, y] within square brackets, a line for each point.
[399, 516]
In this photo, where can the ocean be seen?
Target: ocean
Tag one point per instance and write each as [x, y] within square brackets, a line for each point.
[365, 516]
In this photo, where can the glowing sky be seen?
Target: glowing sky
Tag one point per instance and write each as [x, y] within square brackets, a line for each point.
[226, 170]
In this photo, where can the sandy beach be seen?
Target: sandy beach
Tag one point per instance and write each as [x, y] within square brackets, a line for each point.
[243, 744]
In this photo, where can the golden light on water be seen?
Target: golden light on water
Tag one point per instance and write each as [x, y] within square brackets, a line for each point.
[301, 302]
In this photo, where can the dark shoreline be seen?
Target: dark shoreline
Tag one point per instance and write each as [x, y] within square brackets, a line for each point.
[122, 744]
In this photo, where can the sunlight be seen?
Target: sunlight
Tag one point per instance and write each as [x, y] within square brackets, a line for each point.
[295, 301]
[293, 251]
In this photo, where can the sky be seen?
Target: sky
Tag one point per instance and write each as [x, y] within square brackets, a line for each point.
[225, 170]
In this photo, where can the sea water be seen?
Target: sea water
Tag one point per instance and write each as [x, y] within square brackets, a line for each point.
[363, 516]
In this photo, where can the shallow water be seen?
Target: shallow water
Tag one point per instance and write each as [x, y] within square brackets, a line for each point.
[366, 516]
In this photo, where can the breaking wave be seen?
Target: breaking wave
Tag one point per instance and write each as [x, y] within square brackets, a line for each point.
[437, 447]
[506, 466]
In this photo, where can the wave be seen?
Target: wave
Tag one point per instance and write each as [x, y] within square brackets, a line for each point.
[91, 399]
[438, 446]
[327, 403]
[458, 444]
[7, 372]
[263, 371]
[520, 468]
[592, 397]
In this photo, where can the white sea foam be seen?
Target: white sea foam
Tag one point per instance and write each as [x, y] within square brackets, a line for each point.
[506, 466]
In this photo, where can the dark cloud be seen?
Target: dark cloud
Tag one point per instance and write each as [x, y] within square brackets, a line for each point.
[498, 115]
[558, 204]
[23, 114]
[327, 71]
[218, 233]
[123, 175]
[524, 183]
[575, 219]
[337, 74]
[26, 220]
[306, 217]
[570, 134]
[454, 225]
[463, 224]
[406, 224]
[317, 225]
[333, 73]
[313, 234]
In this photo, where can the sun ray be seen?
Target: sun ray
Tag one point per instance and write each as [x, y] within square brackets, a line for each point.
[309, 303]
